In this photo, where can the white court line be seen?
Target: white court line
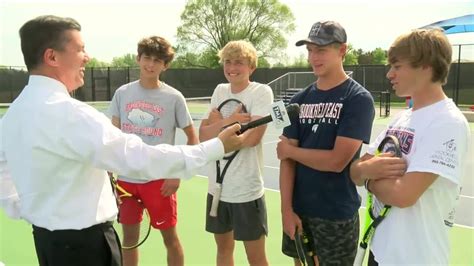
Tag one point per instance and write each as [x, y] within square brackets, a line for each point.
[461, 196]
[271, 189]
[362, 207]
[270, 142]
[272, 167]
[457, 225]
[464, 226]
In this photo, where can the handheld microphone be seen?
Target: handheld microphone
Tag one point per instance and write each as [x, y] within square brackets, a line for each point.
[280, 117]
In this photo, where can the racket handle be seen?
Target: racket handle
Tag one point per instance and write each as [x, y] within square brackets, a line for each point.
[359, 259]
[215, 200]
[252, 124]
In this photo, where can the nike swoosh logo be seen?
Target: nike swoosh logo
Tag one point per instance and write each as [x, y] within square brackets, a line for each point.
[158, 223]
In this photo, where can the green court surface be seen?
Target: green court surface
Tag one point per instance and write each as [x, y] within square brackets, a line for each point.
[17, 249]
[197, 106]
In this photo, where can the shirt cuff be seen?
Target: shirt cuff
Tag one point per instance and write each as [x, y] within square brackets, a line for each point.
[11, 206]
[213, 148]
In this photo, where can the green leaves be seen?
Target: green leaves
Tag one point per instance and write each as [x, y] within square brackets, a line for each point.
[208, 25]
[127, 60]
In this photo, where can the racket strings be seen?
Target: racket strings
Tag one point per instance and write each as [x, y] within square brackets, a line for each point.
[376, 210]
[389, 144]
[229, 108]
[389, 147]
[226, 110]
[377, 207]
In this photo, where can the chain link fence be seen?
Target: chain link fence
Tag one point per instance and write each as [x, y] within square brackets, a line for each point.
[101, 83]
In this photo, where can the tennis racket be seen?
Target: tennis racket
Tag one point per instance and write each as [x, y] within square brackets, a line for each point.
[303, 249]
[376, 211]
[226, 108]
[142, 229]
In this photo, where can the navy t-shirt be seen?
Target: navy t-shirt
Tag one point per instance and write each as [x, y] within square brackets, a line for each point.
[346, 110]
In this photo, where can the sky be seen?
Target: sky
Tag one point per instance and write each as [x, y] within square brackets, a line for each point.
[112, 28]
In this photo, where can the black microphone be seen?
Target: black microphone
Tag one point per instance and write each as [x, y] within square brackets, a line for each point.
[292, 109]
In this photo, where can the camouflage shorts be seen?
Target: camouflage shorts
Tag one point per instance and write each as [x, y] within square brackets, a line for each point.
[334, 242]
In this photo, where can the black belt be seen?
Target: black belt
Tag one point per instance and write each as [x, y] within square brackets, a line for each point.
[104, 225]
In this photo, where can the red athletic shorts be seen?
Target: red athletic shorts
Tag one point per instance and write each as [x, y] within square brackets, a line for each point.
[162, 210]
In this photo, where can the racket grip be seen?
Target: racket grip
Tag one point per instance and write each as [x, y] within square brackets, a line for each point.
[359, 259]
[215, 200]
[231, 124]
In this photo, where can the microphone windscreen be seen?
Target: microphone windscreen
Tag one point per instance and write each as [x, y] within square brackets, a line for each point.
[293, 110]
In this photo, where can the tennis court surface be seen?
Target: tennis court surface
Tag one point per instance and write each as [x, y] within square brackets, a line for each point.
[16, 244]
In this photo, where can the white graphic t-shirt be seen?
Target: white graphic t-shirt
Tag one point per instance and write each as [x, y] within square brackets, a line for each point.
[243, 180]
[433, 139]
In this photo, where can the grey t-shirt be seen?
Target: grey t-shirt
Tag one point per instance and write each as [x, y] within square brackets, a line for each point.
[151, 114]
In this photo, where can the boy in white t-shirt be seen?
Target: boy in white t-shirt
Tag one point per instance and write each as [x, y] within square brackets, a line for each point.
[241, 213]
[434, 136]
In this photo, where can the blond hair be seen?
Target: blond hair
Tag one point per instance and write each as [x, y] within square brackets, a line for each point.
[239, 49]
[424, 47]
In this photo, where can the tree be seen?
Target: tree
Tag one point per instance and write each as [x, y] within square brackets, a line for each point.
[351, 56]
[375, 57]
[128, 60]
[364, 58]
[94, 62]
[299, 62]
[263, 62]
[379, 57]
[208, 25]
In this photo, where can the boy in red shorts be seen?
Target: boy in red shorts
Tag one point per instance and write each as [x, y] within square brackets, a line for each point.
[152, 110]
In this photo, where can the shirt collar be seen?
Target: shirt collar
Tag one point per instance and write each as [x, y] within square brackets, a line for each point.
[47, 83]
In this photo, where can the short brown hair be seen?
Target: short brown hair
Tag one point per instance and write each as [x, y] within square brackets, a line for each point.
[43, 33]
[424, 47]
[156, 46]
[239, 49]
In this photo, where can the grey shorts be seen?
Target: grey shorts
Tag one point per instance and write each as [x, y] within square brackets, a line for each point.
[248, 220]
[334, 242]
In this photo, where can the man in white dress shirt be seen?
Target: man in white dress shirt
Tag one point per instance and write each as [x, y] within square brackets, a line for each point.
[56, 150]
